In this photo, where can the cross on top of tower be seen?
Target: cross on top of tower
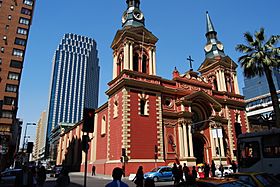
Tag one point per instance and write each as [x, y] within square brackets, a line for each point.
[190, 60]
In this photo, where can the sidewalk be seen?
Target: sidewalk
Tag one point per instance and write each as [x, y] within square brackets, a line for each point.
[100, 176]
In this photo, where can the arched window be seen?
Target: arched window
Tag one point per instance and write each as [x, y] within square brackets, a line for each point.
[115, 109]
[142, 106]
[144, 64]
[103, 126]
[135, 62]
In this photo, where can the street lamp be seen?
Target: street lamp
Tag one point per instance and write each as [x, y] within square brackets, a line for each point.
[23, 143]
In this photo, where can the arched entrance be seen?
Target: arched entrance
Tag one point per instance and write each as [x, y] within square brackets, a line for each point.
[198, 148]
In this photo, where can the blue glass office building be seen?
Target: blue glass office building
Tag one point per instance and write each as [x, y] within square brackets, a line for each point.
[258, 86]
[74, 82]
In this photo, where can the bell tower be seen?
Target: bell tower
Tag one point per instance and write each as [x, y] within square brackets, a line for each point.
[134, 47]
[218, 68]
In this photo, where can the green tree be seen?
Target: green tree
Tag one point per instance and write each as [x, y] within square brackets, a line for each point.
[260, 56]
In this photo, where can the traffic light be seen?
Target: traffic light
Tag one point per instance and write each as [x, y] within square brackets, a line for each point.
[29, 147]
[123, 152]
[85, 140]
[88, 124]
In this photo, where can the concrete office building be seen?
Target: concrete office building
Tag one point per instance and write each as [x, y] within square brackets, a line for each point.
[16, 18]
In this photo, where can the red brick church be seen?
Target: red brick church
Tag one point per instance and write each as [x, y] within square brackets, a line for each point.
[193, 118]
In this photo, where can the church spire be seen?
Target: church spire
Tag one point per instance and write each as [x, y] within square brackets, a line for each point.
[133, 15]
[213, 47]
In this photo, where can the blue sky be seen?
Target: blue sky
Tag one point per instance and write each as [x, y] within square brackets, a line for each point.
[179, 25]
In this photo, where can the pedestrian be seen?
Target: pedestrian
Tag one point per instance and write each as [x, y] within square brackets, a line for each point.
[234, 166]
[117, 176]
[180, 174]
[206, 170]
[194, 173]
[63, 179]
[41, 176]
[221, 168]
[175, 174]
[139, 178]
[25, 174]
[93, 170]
[186, 171]
[213, 168]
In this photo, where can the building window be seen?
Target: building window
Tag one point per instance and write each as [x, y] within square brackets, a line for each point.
[28, 2]
[7, 27]
[20, 41]
[15, 64]
[2, 49]
[144, 64]
[24, 21]
[22, 31]
[142, 106]
[13, 76]
[0, 61]
[7, 114]
[135, 62]
[115, 109]
[18, 52]
[9, 17]
[12, 7]
[103, 126]
[11, 88]
[26, 11]
[9, 100]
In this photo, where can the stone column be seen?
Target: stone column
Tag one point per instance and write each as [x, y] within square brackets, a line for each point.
[181, 141]
[185, 140]
[212, 142]
[151, 62]
[190, 140]
[115, 70]
[218, 80]
[236, 88]
[131, 56]
[222, 147]
[154, 61]
[223, 80]
[126, 55]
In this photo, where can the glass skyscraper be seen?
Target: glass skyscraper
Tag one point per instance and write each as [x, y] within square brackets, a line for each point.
[257, 96]
[75, 81]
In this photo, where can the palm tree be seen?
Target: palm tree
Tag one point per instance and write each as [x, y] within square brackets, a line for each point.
[260, 57]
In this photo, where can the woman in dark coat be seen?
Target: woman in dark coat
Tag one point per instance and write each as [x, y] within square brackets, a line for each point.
[139, 178]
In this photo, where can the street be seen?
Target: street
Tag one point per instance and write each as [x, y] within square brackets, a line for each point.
[77, 180]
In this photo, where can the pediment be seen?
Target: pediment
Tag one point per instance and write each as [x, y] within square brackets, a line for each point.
[211, 63]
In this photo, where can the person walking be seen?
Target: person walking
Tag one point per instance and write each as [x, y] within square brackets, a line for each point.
[180, 174]
[186, 171]
[234, 166]
[175, 174]
[221, 168]
[117, 177]
[206, 170]
[41, 176]
[93, 170]
[194, 173]
[139, 178]
[63, 179]
[213, 168]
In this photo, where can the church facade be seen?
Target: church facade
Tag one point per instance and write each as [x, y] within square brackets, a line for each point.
[151, 121]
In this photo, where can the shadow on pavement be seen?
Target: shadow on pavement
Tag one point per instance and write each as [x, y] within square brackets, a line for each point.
[53, 183]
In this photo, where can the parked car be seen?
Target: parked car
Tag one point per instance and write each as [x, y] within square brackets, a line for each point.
[256, 179]
[10, 177]
[56, 171]
[213, 182]
[163, 173]
[227, 170]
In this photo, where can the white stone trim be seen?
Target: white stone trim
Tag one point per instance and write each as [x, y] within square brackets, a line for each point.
[159, 127]
[126, 121]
